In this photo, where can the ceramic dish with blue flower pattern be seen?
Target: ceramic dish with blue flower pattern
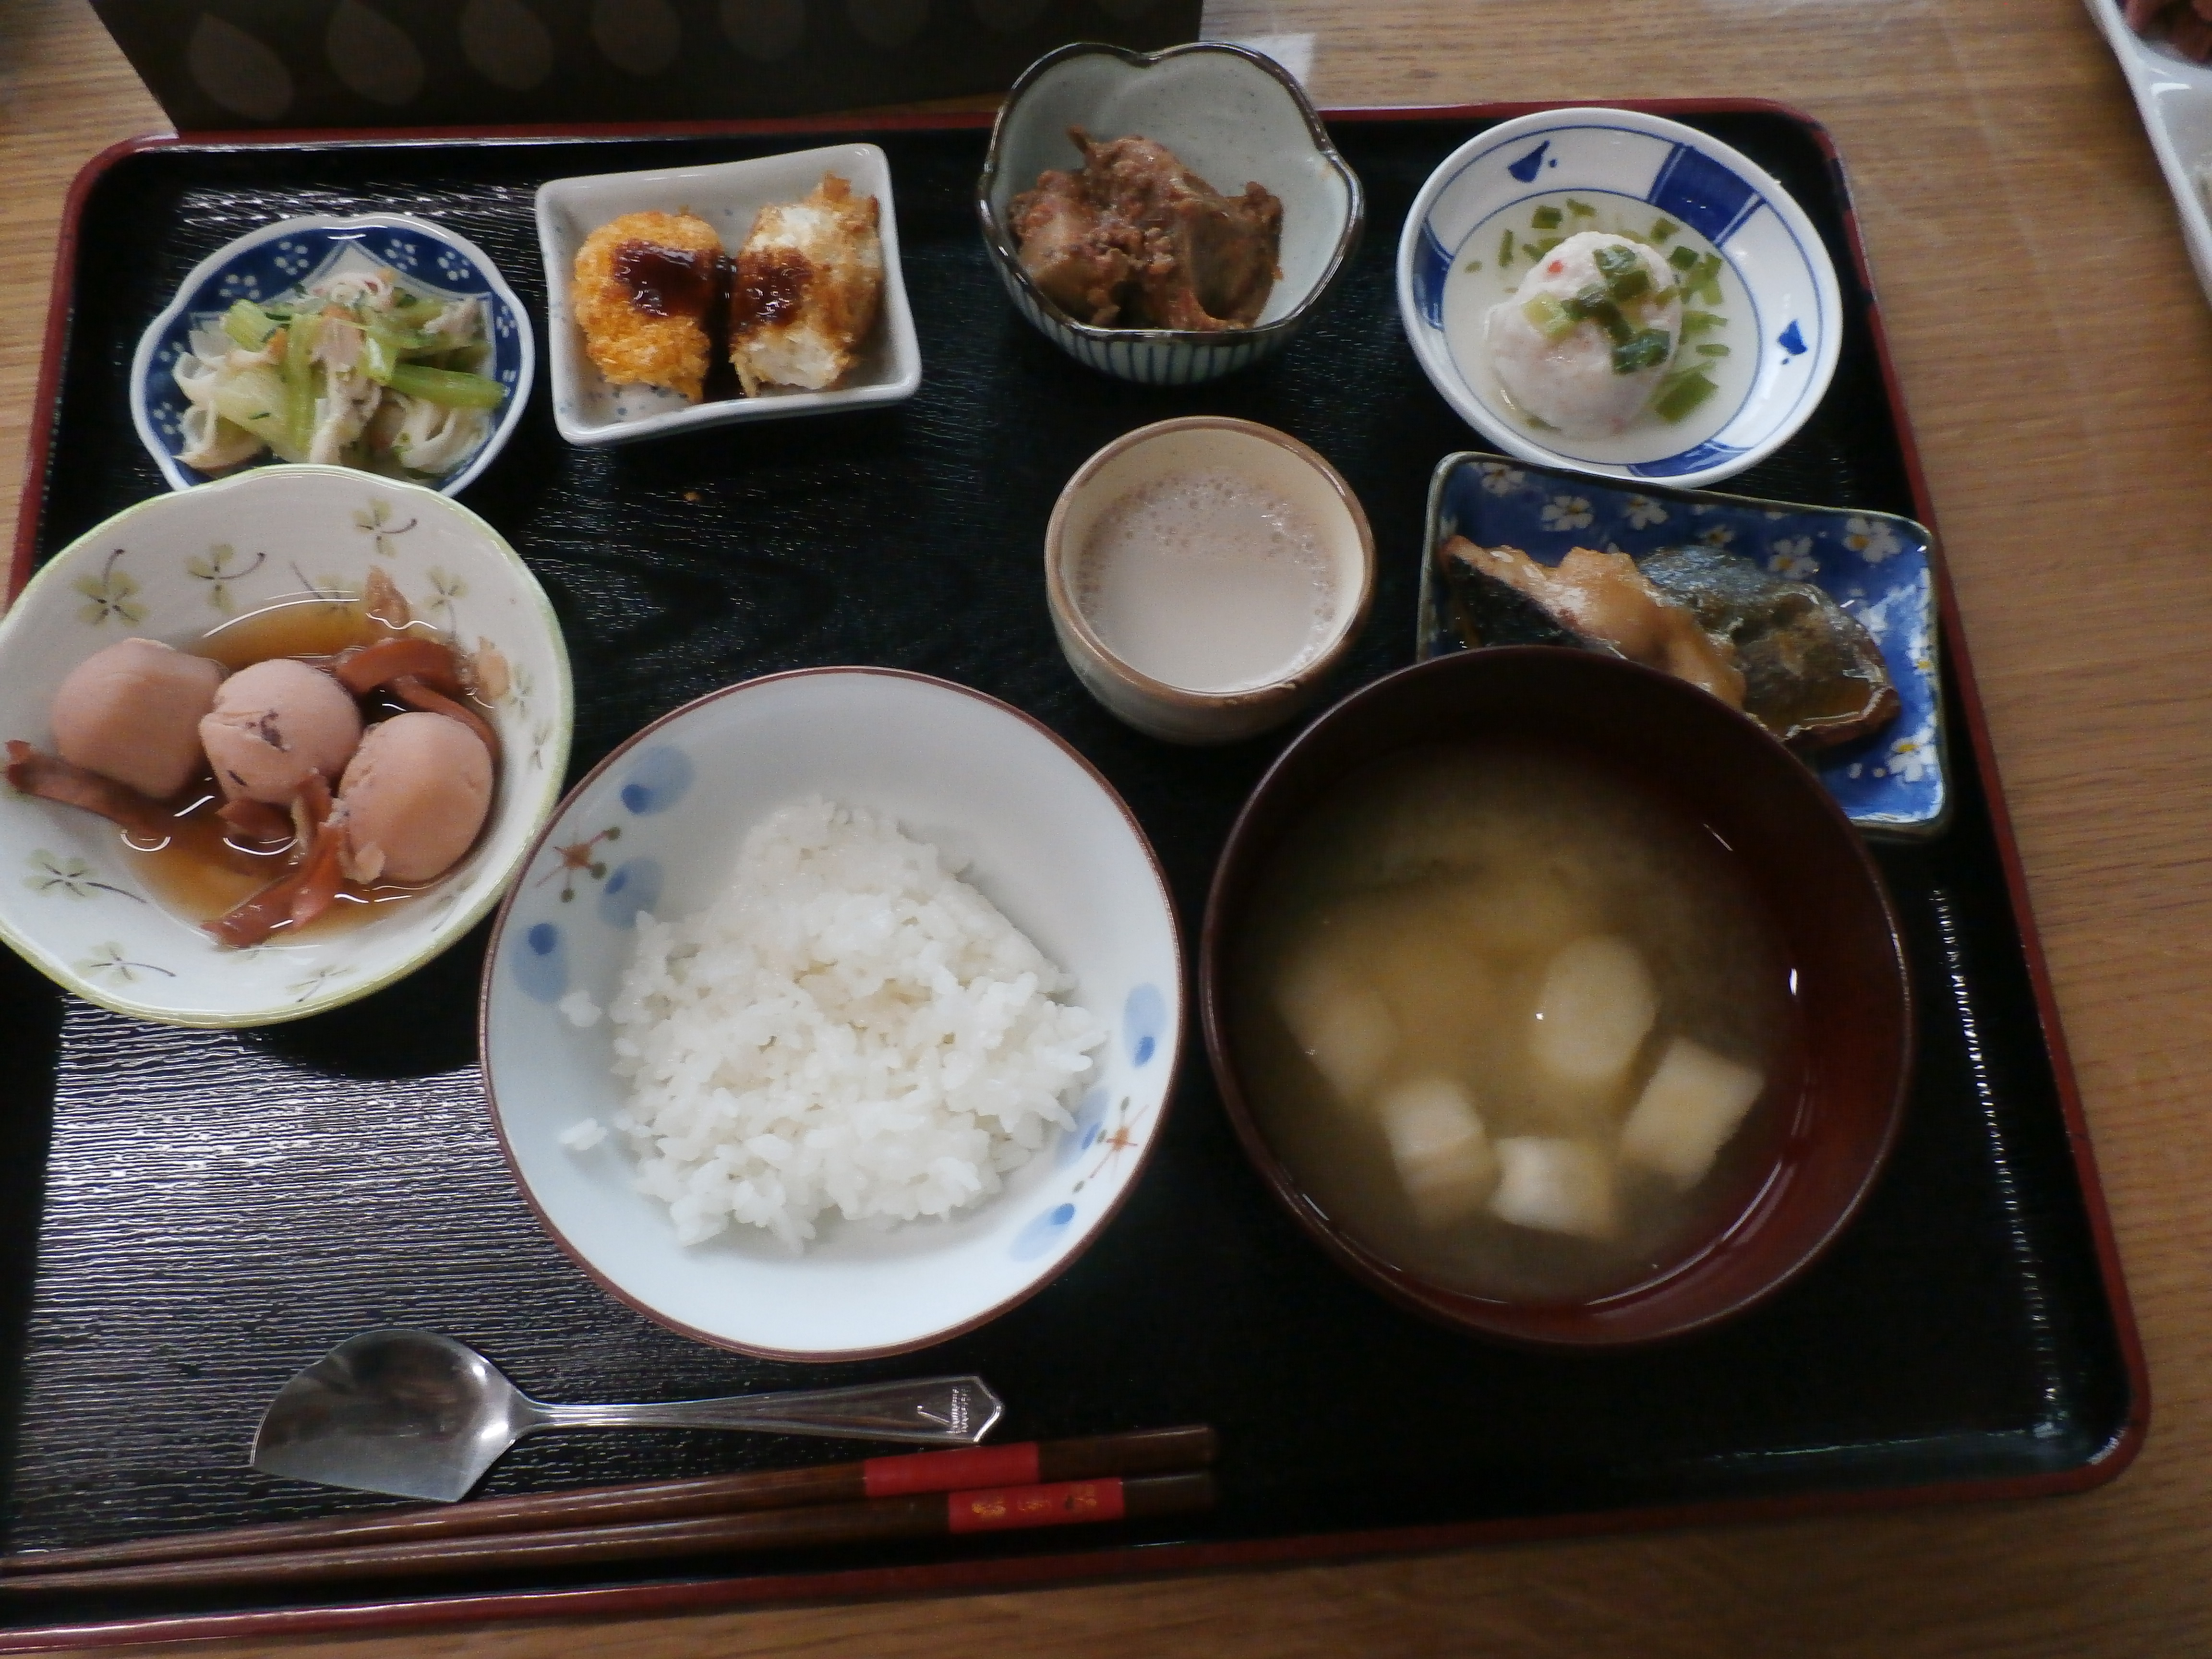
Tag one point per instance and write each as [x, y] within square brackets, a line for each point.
[657, 827]
[1748, 319]
[450, 431]
[84, 908]
[1878, 568]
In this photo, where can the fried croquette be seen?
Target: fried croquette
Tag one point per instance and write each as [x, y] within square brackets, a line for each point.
[809, 281]
[644, 285]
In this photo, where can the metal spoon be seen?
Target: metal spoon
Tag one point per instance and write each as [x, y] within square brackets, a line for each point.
[420, 1415]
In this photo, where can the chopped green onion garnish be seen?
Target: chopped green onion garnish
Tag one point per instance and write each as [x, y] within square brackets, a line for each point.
[247, 324]
[1705, 283]
[1536, 251]
[1596, 305]
[1581, 209]
[1679, 394]
[1537, 422]
[1505, 250]
[1472, 265]
[1699, 322]
[1624, 273]
[447, 386]
[1544, 218]
[1548, 317]
[1663, 229]
[1712, 351]
[1683, 258]
[1647, 347]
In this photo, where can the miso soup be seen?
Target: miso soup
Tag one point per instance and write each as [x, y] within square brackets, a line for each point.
[1518, 1026]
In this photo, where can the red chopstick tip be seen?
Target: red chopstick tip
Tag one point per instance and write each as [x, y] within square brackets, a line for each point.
[1013, 1465]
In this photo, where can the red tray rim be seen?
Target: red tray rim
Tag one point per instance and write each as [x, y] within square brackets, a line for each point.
[1112, 1561]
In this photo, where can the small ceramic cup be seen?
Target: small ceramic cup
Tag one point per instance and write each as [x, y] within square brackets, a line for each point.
[1203, 448]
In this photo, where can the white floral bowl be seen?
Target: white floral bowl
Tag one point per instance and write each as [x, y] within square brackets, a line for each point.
[281, 258]
[1497, 199]
[657, 826]
[72, 901]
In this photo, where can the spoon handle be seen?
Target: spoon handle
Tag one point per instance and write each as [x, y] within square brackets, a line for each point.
[942, 1411]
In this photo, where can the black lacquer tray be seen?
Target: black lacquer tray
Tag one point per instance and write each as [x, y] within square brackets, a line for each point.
[189, 1217]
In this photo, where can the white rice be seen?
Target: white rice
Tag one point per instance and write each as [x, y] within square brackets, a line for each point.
[583, 1134]
[848, 1026]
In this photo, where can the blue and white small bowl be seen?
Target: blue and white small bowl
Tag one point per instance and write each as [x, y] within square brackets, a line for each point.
[285, 258]
[1230, 115]
[1617, 169]
[657, 826]
[1878, 566]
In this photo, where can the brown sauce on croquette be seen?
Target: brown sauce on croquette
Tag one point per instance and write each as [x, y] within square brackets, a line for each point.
[770, 287]
[667, 282]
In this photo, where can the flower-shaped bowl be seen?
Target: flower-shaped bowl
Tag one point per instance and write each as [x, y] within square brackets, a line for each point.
[1877, 567]
[657, 826]
[280, 259]
[728, 195]
[1231, 116]
[1480, 223]
[77, 903]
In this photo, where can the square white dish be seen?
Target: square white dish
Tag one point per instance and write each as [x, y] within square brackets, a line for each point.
[589, 411]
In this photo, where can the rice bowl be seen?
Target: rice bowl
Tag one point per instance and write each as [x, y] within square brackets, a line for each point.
[1028, 825]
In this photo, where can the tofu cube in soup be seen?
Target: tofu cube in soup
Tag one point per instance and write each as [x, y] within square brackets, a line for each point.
[1440, 1150]
[1693, 1103]
[1344, 1028]
[1595, 1008]
[1555, 1186]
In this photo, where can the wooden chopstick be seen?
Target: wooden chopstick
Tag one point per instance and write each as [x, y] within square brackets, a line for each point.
[926, 1515]
[1145, 1452]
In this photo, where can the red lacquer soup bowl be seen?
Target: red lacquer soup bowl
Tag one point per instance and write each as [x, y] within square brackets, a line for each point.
[1831, 1112]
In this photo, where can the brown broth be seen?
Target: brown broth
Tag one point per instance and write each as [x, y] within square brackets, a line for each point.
[204, 868]
[1444, 881]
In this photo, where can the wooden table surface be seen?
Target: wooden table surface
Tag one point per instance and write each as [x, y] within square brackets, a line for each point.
[2057, 357]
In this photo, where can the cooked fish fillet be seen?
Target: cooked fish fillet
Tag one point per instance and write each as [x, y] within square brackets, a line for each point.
[809, 281]
[1603, 599]
[644, 285]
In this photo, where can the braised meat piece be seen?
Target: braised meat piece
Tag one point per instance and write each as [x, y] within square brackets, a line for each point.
[1081, 263]
[1136, 239]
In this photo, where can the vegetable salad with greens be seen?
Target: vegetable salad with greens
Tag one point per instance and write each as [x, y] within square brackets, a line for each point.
[357, 371]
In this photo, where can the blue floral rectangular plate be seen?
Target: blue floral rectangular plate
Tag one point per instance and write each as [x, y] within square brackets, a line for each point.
[1877, 566]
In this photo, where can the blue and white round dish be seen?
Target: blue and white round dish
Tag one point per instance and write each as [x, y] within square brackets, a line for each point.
[1762, 319]
[283, 260]
[657, 827]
